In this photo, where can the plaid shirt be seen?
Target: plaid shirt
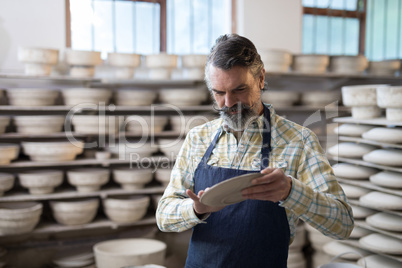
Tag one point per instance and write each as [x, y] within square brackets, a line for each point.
[315, 197]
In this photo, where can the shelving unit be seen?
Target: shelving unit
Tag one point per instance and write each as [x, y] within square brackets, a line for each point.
[368, 184]
[283, 81]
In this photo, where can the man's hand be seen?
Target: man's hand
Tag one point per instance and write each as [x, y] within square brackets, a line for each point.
[198, 207]
[274, 186]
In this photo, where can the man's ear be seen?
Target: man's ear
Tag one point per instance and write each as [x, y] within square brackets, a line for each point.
[262, 79]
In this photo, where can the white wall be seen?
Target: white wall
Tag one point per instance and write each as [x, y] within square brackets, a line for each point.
[271, 23]
[36, 23]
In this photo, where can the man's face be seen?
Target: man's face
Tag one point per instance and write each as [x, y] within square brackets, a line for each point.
[238, 95]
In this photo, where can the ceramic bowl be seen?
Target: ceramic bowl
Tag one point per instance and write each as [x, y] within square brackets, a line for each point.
[102, 155]
[96, 125]
[365, 112]
[280, 98]
[309, 63]
[75, 96]
[360, 95]
[55, 151]
[193, 61]
[389, 96]
[161, 60]
[74, 212]
[192, 74]
[394, 114]
[19, 217]
[88, 180]
[8, 152]
[159, 73]
[183, 96]
[170, 147]
[41, 181]
[131, 251]
[124, 60]
[137, 97]
[183, 124]
[31, 96]
[132, 179]
[385, 68]
[82, 71]
[39, 124]
[4, 121]
[317, 98]
[37, 69]
[123, 72]
[348, 64]
[132, 151]
[272, 57]
[350, 149]
[6, 182]
[145, 125]
[83, 58]
[38, 55]
[126, 209]
[74, 258]
[162, 175]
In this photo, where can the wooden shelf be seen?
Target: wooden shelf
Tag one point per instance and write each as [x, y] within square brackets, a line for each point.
[72, 193]
[146, 82]
[330, 75]
[376, 143]
[83, 162]
[381, 121]
[57, 78]
[370, 186]
[360, 162]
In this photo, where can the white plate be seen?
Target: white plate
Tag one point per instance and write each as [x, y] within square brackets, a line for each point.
[228, 192]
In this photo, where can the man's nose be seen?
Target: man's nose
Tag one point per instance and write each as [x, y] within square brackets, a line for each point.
[230, 100]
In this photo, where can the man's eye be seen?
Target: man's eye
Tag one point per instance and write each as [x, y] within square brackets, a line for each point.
[219, 93]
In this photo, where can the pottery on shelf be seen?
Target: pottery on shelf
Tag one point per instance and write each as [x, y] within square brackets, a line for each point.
[88, 180]
[183, 96]
[132, 179]
[40, 181]
[54, 151]
[6, 182]
[19, 217]
[31, 96]
[126, 209]
[88, 96]
[39, 124]
[74, 212]
[8, 153]
[135, 97]
[145, 125]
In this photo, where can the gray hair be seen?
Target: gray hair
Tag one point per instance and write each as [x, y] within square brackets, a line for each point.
[233, 50]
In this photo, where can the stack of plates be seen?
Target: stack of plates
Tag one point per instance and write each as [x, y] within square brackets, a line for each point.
[75, 259]
[82, 63]
[124, 64]
[38, 61]
[390, 98]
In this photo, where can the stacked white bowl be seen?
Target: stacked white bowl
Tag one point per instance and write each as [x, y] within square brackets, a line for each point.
[319, 98]
[183, 124]
[6, 182]
[88, 180]
[124, 64]
[38, 61]
[162, 175]
[126, 209]
[74, 212]
[132, 251]
[19, 217]
[97, 96]
[183, 96]
[193, 66]
[145, 125]
[96, 124]
[348, 64]
[310, 63]
[132, 151]
[276, 60]
[345, 253]
[317, 241]
[384, 68]
[135, 97]
[279, 98]
[132, 179]
[390, 98]
[41, 181]
[39, 124]
[8, 152]
[82, 63]
[4, 121]
[160, 65]
[55, 151]
[362, 99]
[170, 147]
[31, 96]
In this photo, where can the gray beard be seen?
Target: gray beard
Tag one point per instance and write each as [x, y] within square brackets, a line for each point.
[239, 122]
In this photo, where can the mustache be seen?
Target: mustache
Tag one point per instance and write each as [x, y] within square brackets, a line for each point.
[234, 108]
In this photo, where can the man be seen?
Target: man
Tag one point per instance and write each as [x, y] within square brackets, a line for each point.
[249, 137]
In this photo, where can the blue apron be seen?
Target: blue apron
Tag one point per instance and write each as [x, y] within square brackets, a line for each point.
[251, 233]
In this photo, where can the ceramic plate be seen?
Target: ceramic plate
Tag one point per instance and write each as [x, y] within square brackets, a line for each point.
[228, 192]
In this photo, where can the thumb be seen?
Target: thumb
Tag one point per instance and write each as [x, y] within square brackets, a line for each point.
[267, 170]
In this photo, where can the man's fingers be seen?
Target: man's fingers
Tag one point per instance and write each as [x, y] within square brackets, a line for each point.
[267, 170]
[192, 195]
